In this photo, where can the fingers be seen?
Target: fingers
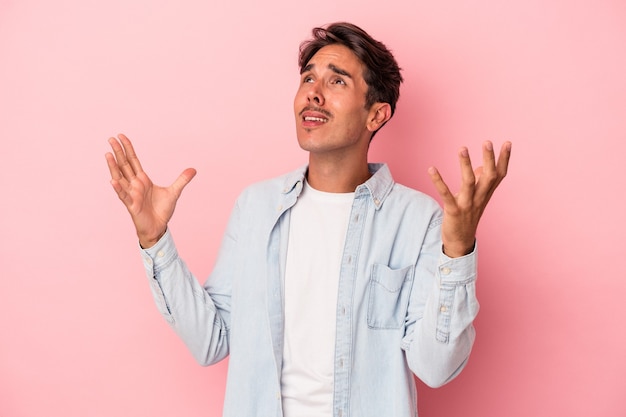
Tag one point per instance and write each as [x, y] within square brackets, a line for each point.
[124, 154]
[118, 182]
[478, 185]
[116, 174]
[489, 160]
[123, 166]
[122, 193]
[486, 174]
[468, 179]
[183, 179]
[130, 154]
[492, 174]
[441, 187]
[503, 159]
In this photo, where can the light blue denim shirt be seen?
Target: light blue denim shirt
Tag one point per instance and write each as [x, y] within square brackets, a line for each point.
[403, 307]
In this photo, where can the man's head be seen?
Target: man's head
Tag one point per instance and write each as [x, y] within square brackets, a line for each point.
[381, 74]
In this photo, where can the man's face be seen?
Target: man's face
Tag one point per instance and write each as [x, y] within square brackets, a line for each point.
[330, 103]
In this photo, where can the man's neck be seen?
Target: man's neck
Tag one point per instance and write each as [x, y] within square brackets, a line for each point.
[337, 176]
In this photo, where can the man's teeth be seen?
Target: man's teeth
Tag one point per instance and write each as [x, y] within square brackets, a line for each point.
[314, 119]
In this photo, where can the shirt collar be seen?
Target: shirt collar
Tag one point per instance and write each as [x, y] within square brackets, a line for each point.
[293, 179]
[379, 185]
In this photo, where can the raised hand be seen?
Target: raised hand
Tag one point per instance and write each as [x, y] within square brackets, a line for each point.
[462, 211]
[150, 206]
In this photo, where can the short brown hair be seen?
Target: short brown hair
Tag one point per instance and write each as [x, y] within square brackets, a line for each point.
[382, 73]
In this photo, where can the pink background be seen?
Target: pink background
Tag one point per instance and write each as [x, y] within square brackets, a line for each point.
[210, 85]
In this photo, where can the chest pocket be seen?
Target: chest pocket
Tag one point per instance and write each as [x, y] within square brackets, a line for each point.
[388, 296]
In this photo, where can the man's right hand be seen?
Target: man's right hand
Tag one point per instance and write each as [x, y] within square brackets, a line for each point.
[149, 205]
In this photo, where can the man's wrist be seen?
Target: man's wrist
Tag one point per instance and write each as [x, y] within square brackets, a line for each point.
[459, 250]
[147, 242]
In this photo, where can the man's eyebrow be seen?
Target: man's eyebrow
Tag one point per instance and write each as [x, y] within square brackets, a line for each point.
[332, 67]
[339, 71]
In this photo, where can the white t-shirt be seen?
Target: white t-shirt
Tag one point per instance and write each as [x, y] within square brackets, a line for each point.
[317, 233]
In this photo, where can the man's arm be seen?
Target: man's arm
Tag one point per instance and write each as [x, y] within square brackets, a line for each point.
[199, 318]
[199, 315]
[440, 332]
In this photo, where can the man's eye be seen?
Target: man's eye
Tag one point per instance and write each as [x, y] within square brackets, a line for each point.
[307, 80]
[339, 81]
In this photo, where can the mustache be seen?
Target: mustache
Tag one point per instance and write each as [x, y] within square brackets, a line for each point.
[317, 110]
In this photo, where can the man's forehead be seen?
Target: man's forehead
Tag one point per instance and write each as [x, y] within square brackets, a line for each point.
[338, 58]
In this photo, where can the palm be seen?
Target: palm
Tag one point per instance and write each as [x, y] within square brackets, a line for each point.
[150, 206]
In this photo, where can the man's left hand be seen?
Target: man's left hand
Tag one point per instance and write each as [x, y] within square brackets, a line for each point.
[462, 211]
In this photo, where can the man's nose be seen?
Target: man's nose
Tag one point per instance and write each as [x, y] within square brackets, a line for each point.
[315, 95]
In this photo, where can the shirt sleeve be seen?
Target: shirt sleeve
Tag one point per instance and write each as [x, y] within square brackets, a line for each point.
[185, 304]
[439, 329]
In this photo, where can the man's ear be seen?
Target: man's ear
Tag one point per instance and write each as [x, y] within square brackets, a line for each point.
[379, 114]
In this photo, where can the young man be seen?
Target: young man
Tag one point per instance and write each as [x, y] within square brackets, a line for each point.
[334, 284]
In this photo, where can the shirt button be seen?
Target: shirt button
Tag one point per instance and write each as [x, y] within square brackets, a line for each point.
[445, 270]
[279, 208]
[160, 254]
[443, 309]
[149, 261]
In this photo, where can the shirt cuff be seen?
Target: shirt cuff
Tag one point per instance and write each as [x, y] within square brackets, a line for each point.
[160, 255]
[458, 270]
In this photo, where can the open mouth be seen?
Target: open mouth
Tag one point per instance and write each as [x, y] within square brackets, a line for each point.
[312, 117]
[315, 119]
